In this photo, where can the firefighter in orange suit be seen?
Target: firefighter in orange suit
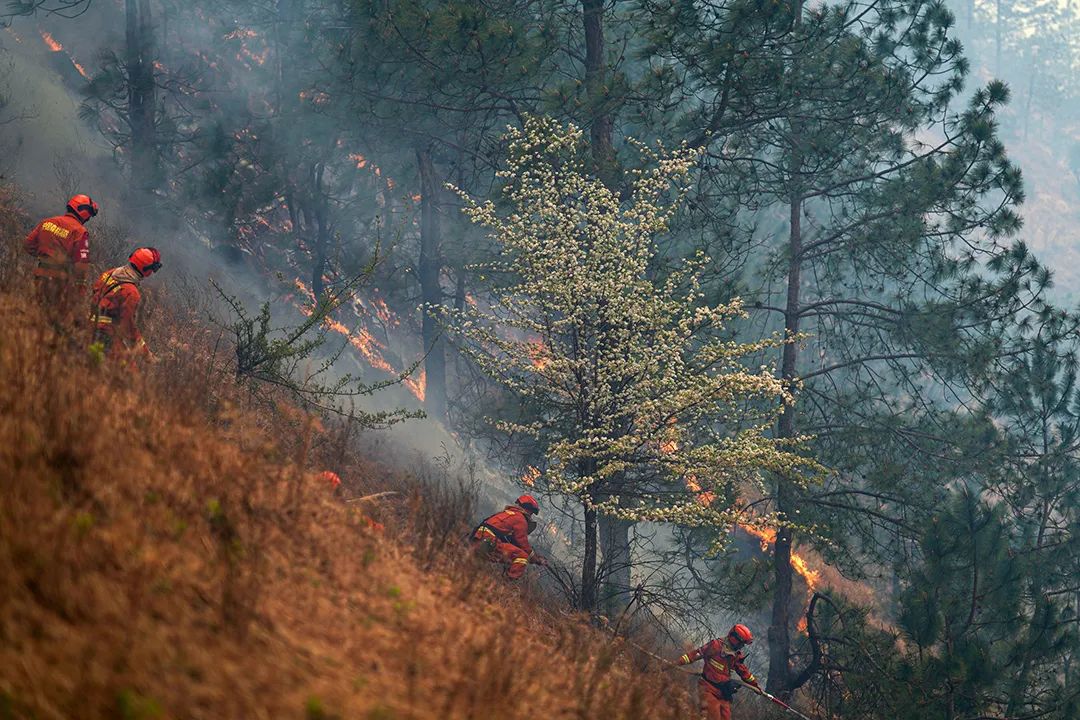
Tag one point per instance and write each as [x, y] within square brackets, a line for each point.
[61, 246]
[722, 656]
[116, 305]
[506, 535]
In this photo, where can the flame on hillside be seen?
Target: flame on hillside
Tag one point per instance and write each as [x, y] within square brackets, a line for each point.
[530, 476]
[538, 353]
[767, 537]
[368, 347]
[54, 46]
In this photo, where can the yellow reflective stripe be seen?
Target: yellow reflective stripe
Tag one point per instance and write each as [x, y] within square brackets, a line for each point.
[718, 666]
[101, 319]
[488, 531]
[685, 660]
[520, 561]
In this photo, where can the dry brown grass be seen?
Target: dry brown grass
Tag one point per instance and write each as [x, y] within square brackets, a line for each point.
[167, 551]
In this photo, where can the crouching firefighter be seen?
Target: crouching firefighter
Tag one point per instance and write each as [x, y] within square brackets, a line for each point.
[722, 656]
[116, 305]
[506, 536]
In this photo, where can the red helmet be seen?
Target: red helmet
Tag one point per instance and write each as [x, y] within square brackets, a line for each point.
[741, 633]
[529, 503]
[82, 207]
[146, 260]
[331, 477]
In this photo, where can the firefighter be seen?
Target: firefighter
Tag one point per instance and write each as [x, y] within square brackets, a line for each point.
[116, 305]
[61, 246]
[506, 536]
[722, 656]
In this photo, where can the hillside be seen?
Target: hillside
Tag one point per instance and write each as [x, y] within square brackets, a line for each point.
[169, 551]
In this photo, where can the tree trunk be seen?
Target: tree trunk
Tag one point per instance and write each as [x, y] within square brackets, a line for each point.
[614, 533]
[779, 630]
[588, 564]
[615, 543]
[430, 289]
[322, 233]
[601, 122]
[141, 93]
[779, 680]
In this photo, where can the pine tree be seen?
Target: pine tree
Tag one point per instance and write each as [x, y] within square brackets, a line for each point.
[835, 129]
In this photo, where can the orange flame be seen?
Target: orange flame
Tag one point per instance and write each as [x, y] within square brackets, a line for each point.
[368, 347]
[767, 536]
[538, 353]
[702, 496]
[54, 46]
[417, 385]
[383, 312]
[530, 476]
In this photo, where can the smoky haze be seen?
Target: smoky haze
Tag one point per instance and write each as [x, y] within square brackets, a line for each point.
[857, 184]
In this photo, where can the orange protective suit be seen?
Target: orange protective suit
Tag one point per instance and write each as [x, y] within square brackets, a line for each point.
[116, 306]
[506, 534]
[720, 660]
[62, 248]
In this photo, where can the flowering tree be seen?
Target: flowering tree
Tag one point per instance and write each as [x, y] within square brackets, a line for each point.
[646, 411]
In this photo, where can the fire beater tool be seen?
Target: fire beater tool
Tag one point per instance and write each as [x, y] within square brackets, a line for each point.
[778, 701]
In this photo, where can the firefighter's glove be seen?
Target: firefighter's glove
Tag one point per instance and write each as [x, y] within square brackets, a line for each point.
[728, 689]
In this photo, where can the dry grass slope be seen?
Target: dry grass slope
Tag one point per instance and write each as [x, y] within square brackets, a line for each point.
[166, 551]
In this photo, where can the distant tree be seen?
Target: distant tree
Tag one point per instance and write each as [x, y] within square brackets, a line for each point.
[645, 410]
[123, 99]
[441, 81]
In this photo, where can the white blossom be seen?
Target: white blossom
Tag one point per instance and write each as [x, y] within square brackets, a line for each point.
[648, 410]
